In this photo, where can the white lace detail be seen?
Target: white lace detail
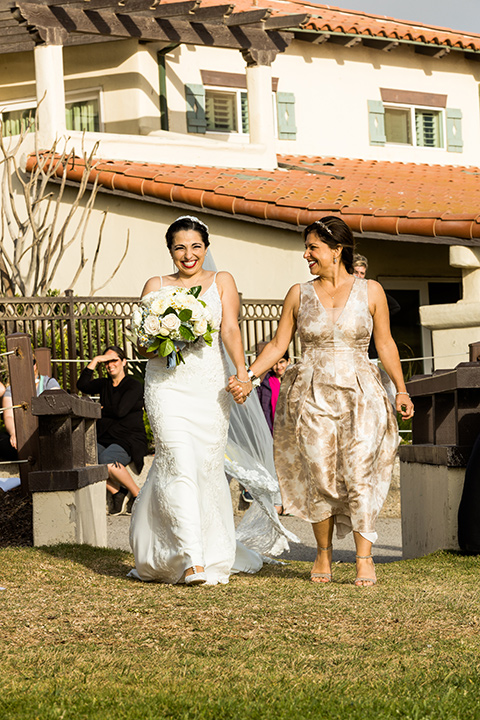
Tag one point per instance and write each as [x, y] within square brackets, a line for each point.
[183, 515]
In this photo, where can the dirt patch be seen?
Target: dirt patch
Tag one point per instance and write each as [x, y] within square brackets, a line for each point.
[16, 523]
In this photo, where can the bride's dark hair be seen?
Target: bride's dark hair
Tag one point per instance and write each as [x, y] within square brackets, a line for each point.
[333, 231]
[187, 222]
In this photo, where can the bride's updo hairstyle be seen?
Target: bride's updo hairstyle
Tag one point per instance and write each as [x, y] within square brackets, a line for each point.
[187, 222]
[334, 232]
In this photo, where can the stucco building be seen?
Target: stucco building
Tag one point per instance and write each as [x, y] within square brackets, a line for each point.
[260, 117]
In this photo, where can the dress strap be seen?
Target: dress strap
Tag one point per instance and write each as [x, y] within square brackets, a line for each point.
[215, 276]
[161, 282]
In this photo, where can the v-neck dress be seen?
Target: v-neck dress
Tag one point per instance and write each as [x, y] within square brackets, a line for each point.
[335, 432]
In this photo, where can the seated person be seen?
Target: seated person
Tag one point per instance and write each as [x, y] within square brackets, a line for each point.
[269, 389]
[121, 435]
[8, 439]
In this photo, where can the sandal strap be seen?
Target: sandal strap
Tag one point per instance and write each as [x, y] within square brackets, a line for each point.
[364, 557]
[325, 549]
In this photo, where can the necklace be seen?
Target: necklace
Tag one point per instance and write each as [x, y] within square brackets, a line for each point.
[336, 290]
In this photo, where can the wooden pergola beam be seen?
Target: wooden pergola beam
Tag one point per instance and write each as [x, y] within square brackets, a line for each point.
[145, 27]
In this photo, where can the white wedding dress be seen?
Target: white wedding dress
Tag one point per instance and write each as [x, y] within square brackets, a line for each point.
[183, 516]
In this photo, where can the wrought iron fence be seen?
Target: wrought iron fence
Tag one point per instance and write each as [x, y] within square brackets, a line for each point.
[78, 328]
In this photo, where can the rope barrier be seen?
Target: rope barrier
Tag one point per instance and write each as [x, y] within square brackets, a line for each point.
[24, 406]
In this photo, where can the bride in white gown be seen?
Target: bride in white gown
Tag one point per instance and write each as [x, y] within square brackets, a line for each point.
[182, 527]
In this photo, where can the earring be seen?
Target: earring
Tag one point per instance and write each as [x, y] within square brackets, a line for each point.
[334, 260]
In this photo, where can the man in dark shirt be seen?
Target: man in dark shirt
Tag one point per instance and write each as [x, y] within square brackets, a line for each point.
[121, 433]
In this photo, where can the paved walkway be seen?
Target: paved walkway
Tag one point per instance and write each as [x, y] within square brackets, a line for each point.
[387, 549]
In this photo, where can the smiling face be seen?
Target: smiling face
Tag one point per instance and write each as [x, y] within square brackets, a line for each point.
[319, 255]
[188, 251]
[114, 366]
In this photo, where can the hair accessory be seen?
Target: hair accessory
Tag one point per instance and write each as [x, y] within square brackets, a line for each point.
[193, 218]
[323, 226]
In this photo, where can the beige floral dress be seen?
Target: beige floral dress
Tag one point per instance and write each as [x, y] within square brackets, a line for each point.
[335, 432]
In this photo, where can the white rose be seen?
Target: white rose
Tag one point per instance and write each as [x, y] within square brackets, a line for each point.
[198, 312]
[171, 323]
[151, 325]
[136, 319]
[156, 307]
[200, 327]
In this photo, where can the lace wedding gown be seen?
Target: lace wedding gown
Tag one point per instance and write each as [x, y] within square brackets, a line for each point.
[183, 515]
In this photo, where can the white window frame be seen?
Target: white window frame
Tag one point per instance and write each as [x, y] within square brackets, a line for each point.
[95, 93]
[238, 92]
[412, 109]
[15, 105]
[420, 284]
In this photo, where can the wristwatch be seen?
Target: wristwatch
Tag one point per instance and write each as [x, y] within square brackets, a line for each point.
[253, 378]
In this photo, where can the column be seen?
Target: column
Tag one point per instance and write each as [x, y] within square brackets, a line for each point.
[260, 102]
[50, 94]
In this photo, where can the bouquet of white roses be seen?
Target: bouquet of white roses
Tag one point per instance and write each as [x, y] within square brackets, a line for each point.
[170, 317]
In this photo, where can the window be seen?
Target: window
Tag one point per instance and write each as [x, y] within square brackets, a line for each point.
[421, 127]
[20, 119]
[226, 111]
[83, 114]
[417, 119]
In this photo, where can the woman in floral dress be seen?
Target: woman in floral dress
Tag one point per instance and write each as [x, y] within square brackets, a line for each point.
[335, 432]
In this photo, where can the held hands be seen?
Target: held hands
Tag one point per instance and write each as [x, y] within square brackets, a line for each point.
[240, 389]
[404, 405]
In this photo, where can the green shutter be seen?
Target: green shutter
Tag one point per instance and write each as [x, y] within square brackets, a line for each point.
[287, 130]
[454, 130]
[195, 97]
[376, 122]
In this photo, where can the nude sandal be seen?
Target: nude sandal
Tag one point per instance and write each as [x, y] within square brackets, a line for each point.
[364, 579]
[327, 577]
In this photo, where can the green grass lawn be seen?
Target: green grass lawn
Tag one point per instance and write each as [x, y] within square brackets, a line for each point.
[81, 641]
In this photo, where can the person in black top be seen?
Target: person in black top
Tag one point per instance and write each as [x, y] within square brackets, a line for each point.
[121, 435]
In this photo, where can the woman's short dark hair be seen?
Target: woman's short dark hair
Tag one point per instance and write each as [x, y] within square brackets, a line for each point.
[187, 222]
[117, 350]
[333, 231]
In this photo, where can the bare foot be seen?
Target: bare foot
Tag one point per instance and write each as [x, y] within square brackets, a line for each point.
[194, 569]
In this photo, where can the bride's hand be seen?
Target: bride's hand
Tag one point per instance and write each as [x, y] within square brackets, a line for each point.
[240, 391]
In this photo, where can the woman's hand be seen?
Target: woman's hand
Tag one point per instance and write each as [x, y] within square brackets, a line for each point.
[404, 405]
[13, 440]
[239, 390]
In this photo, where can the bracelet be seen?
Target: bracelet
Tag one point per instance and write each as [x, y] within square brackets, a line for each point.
[402, 393]
[244, 382]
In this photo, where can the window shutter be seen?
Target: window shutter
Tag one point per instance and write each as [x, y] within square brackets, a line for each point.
[454, 130]
[287, 130]
[244, 108]
[376, 122]
[195, 97]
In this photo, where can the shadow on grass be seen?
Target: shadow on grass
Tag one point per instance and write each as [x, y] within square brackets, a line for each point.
[102, 561]
[117, 563]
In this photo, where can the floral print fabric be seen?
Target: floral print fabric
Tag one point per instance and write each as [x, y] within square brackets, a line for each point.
[335, 432]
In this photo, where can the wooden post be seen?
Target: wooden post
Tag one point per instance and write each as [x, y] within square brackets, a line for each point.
[22, 382]
[43, 357]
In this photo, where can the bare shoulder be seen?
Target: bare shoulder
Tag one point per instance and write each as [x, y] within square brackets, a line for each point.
[152, 284]
[293, 295]
[375, 290]
[225, 281]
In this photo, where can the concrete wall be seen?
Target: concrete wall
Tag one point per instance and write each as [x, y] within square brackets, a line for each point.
[430, 496]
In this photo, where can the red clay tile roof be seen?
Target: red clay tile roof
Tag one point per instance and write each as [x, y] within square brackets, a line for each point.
[329, 19]
[393, 198]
